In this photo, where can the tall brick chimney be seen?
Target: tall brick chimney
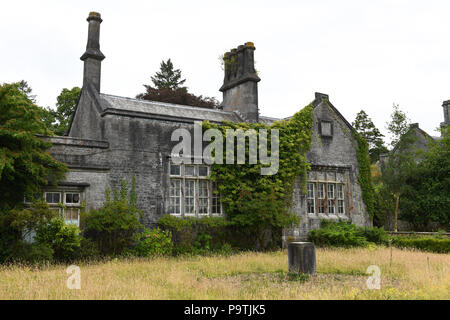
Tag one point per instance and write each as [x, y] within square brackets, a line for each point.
[93, 56]
[240, 85]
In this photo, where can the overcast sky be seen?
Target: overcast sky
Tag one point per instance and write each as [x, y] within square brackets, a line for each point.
[364, 54]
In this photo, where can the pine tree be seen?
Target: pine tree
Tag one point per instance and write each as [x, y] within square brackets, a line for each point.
[167, 77]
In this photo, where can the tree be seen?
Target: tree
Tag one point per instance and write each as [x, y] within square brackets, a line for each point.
[365, 127]
[398, 125]
[396, 170]
[25, 164]
[167, 87]
[24, 87]
[167, 77]
[65, 108]
[425, 192]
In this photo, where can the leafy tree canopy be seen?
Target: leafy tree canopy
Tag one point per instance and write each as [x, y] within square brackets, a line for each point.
[365, 127]
[398, 125]
[25, 164]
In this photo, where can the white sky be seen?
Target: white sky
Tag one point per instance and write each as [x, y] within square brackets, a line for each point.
[364, 54]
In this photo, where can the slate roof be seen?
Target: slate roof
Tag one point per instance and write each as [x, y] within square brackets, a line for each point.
[135, 107]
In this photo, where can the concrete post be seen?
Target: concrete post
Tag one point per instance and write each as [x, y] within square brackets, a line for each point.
[302, 257]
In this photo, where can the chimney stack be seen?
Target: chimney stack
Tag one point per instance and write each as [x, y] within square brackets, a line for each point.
[240, 85]
[446, 107]
[93, 56]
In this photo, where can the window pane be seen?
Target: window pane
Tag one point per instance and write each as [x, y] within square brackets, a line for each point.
[203, 171]
[203, 197]
[52, 197]
[189, 171]
[331, 206]
[175, 169]
[321, 191]
[175, 196]
[189, 196]
[330, 188]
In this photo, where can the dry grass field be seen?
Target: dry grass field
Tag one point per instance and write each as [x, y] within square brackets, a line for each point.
[341, 275]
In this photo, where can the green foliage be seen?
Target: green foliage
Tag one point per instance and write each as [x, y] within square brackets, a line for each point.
[398, 125]
[114, 225]
[430, 244]
[256, 202]
[365, 127]
[25, 164]
[364, 175]
[345, 234]
[18, 223]
[167, 77]
[65, 108]
[153, 243]
[199, 235]
[425, 191]
[32, 253]
[62, 238]
[341, 234]
[88, 250]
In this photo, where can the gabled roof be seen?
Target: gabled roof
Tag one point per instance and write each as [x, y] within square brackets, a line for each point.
[144, 108]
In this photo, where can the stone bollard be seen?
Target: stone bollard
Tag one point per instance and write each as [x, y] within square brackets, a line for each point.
[302, 257]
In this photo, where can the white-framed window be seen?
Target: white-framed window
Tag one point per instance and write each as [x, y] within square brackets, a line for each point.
[203, 197]
[203, 171]
[71, 198]
[175, 169]
[327, 197]
[189, 170]
[191, 192]
[340, 201]
[175, 196]
[311, 201]
[330, 196]
[53, 197]
[321, 197]
[189, 197]
[66, 204]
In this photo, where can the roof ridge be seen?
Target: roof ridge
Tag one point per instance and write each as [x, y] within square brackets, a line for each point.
[166, 104]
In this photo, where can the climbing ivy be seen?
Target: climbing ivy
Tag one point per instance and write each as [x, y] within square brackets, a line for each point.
[260, 202]
[364, 176]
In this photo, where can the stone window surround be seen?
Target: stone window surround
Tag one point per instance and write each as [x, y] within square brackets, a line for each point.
[56, 206]
[325, 200]
[325, 121]
[182, 177]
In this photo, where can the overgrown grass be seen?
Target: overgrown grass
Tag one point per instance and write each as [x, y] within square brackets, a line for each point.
[341, 275]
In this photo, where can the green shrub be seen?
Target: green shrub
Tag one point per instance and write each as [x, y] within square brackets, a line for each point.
[430, 244]
[62, 238]
[33, 253]
[340, 234]
[19, 223]
[376, 235]
[153, 243]
[88, 250]
[113, 227]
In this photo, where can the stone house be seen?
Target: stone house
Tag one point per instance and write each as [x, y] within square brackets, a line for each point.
[112, 138]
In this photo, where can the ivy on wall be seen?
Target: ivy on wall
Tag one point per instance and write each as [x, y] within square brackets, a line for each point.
[259, 202]
[364, 176]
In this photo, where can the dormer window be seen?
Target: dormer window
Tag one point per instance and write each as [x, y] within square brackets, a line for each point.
[326, 128]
